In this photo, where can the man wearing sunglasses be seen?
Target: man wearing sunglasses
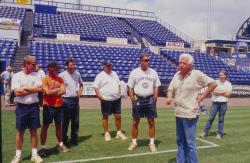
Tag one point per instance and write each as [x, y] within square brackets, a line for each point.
[107, 89]
[53, 89]
[26, 84]
[143, 85]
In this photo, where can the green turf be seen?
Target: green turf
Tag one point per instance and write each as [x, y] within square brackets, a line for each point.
[234, 147]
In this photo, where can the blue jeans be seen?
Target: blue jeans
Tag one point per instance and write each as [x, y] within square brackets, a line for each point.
[186, 140]
[222, 108]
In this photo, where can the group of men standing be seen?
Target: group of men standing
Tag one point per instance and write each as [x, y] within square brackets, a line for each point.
[61, 94]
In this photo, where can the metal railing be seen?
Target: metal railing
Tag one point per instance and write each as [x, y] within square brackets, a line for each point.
[171, 28]
[92, 8]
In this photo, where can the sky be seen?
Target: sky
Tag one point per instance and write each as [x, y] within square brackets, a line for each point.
[191, 16]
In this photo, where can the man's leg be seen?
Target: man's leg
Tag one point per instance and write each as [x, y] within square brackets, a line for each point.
[66, 119]
[118, 121]
[151, 124]
[180, 140]
[19, 143]
[74, 122]
[135, 125]
[190, 133]
[43, 135]
[222, 112]
[213, 112]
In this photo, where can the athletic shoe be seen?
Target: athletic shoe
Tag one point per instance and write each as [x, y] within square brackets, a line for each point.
[36, 159]
[121, 136]
[203, 135]
[16, 160]
[132, 146]
[43, 152]
[152, 147]
[218, 137]
[63, 148]
[107, 137]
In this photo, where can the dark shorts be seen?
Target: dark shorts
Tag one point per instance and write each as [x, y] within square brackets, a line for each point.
[51, 113]
[111, 107]
[27, 116]
[144, 107]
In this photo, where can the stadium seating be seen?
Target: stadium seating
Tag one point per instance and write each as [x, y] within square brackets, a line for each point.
[7, 49]
[154, 32]
[89, 59]
[210, 66]
[89, 27]
[12, 12]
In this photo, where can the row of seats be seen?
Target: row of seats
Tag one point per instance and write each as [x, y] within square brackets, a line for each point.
[12, 12]
[7, 49]
[89, 59]
[89, 27]
[155, 32]
[210, 65]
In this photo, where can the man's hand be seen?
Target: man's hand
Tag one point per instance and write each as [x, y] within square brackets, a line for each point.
[169, 101]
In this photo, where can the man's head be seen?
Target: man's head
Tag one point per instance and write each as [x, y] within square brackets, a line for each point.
[70, 63]
[144, 61]
[29, 63]
[9, 68]
[185, 63]
[53, 69]
[107, 67]
[37, 68]
[223, 75]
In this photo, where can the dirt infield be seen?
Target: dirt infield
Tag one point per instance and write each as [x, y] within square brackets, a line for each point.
[92, 103]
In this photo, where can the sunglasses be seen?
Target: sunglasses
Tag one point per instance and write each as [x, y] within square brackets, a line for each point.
[145, 60]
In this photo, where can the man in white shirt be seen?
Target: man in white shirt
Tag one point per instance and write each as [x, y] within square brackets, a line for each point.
[6, 77]
[26, 84]
[219, 97]
[74, 87]
[107, 89]
[143, 85]
[185, 88]
[40, 73]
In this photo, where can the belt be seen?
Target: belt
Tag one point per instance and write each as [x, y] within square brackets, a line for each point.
[36, 103]
[146, 97]
[70, 97]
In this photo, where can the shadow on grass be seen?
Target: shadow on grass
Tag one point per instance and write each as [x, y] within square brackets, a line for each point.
[214, 134]
[145, 142]
[50, 152]
[84, 138]
[172, 160]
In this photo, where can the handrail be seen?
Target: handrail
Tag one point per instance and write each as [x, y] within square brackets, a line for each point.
[175, 31]
[92, 8]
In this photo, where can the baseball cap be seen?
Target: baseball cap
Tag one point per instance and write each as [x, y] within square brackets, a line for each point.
[107, 63]
[52, 65]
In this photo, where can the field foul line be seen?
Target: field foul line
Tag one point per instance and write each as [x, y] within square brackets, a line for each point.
[211, 145]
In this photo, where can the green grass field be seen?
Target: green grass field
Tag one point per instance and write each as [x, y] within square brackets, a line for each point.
[234, 147]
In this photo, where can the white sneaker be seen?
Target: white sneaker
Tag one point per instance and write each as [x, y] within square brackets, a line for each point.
[36, 159]
[16, 160]
[107, 137]
[121, 136]
[218, 137]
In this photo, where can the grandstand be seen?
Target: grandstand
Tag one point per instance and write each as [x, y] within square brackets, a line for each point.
[138, 33]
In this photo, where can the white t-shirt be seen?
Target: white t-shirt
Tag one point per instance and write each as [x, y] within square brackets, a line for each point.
[72, 82]
[108, 85]
[222, 87]
[41, 73]
[6, 76]
[21, 79]
[143, 82]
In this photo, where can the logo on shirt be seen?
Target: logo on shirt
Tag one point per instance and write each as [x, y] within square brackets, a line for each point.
[145, 85]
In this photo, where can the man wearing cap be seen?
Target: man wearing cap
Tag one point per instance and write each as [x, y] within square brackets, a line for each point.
[53, 89]
[143, 85]
[25, 85]
[74, 86]
[107, 89]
